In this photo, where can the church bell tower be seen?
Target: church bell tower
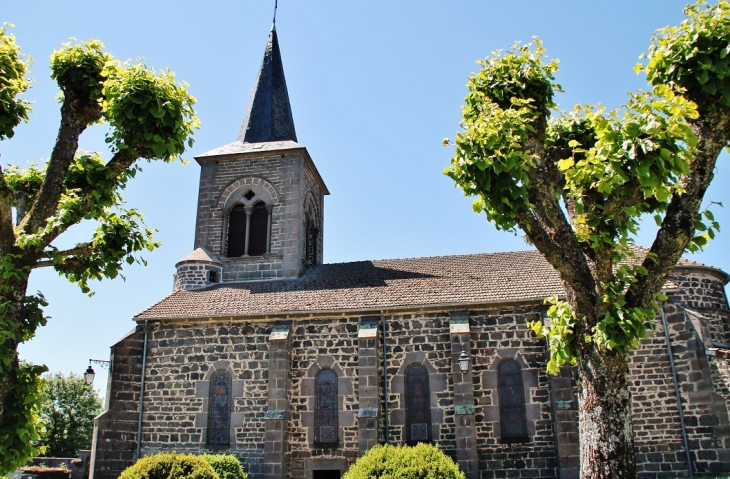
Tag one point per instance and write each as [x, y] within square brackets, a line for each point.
[261, 198]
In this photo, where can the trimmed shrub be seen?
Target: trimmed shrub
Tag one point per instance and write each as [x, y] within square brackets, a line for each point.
[170, 466]
[48, 472]
[423, 461]
[226, 466]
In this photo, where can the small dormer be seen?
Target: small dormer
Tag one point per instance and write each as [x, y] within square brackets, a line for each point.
[261, 198]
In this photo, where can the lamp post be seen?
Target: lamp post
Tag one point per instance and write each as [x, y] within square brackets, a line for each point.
[464, 362]
[89, 374]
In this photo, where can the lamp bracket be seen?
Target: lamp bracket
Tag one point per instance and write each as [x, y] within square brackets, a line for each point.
[100, 362]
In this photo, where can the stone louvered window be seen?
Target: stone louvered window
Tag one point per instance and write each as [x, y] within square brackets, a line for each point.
[219, 412]
[326, 424]
[248, 230]
[511, 401]
[418, 405]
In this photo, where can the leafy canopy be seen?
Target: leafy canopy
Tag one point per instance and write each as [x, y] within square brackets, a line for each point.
[13, 82]
[578, 183]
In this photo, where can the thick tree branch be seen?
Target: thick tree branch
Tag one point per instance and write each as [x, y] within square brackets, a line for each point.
[7, 233]
[81, 249]
[549, 229]
[678, 226]
[71, 258]
[76, 114]
[120, 162]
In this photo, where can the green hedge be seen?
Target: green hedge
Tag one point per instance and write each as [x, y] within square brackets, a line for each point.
[423, 461]
[226, 466]
[170, 466]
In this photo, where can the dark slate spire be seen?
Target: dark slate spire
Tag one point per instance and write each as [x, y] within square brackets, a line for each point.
[268, 116]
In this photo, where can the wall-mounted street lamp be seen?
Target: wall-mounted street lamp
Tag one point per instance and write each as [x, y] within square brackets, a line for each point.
[89, 374]
[464, 362]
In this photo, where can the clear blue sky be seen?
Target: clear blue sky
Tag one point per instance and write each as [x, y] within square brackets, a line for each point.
[375, 86]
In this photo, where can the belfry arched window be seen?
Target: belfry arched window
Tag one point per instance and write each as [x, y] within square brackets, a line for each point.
[219, 408]
[237, 231]
[258, 231]
[326, 421]
[511, 401]
[418, 405]
[311, 241]
[249, 229]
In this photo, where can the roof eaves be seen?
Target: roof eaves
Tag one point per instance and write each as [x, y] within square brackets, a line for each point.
[352, 312]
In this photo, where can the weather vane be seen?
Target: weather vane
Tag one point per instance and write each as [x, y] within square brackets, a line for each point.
[276, 4]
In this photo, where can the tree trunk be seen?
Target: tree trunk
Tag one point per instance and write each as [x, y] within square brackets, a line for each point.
[606, 433]
[14, 324]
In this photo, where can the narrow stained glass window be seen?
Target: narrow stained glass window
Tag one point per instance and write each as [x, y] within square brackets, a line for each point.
[219, 409]
[418, 405]
[325, 426]
[511, 401]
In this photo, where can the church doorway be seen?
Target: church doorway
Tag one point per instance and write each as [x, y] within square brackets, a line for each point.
[326, 474]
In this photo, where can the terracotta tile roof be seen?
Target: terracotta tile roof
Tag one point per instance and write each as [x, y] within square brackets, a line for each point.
[379, 284]
[479, 278]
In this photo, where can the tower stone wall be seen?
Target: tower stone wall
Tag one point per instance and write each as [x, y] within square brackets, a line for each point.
[288, 180]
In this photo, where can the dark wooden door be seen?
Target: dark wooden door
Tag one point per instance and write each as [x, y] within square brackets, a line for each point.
[325, 474]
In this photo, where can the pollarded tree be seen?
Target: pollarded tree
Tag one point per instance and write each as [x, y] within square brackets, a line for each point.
[150, 116]
[577, 184]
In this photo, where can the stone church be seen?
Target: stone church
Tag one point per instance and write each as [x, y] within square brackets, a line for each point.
[298, 367]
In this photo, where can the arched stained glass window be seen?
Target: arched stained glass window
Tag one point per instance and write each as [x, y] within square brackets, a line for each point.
[325, 425]
[219, 408]
[418, 405]
[511, 401]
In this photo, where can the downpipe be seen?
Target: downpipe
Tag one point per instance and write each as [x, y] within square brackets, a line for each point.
[141, 392]
[676, 389]
[385, 377]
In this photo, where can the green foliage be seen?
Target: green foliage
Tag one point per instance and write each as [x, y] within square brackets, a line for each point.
[18, 443]
[632, 167]
[119, 235]
[226, 466]
[506, 99]
[68, 408]
[559, 333]
[170, 466]
[149, 114]
[423, 461]
[79, 68]
[13, 83]
[591, 175]
[694, 55]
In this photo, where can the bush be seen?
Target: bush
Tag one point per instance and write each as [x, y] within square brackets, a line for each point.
[48, 472]
[423, 461]
[170, 466]
[226, 466]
